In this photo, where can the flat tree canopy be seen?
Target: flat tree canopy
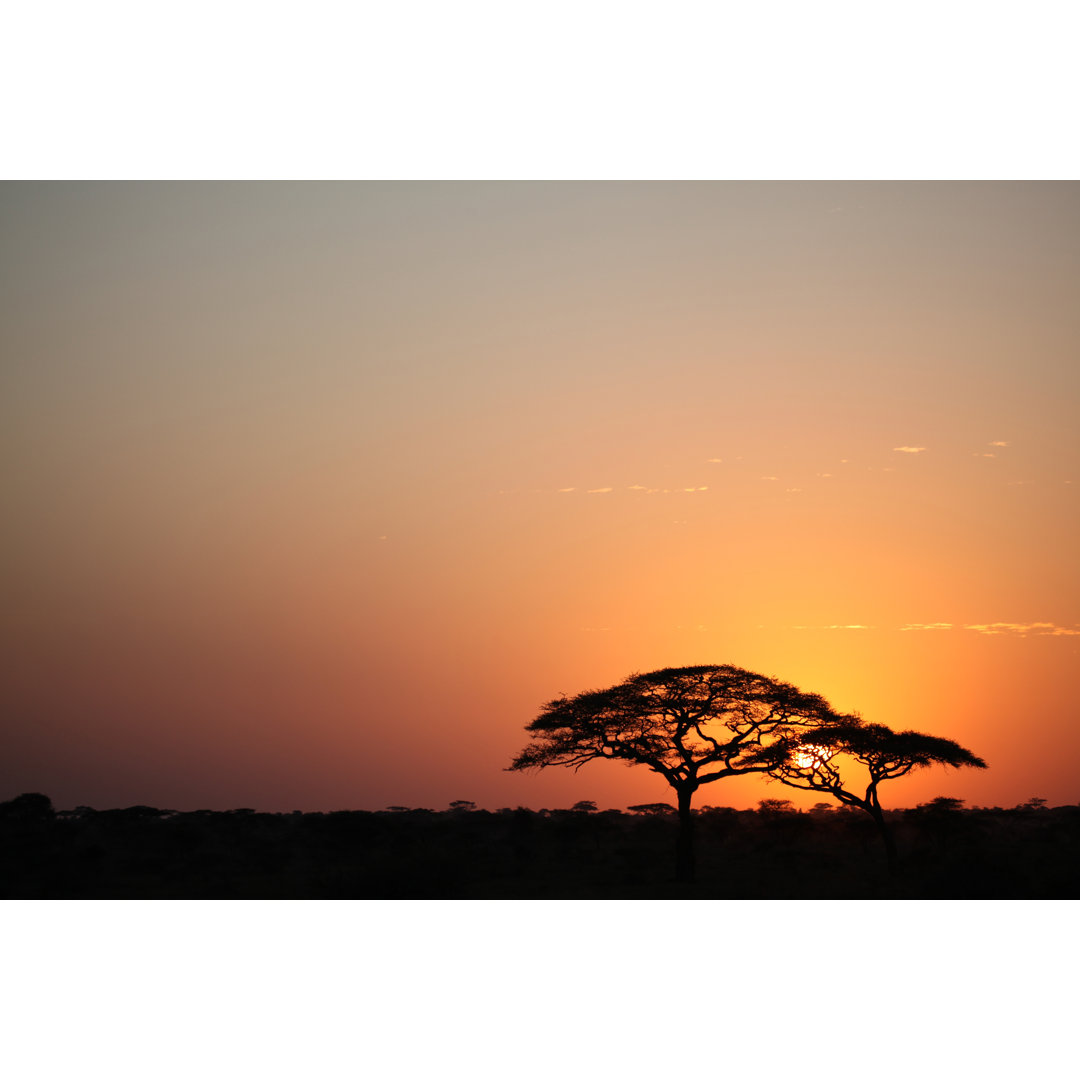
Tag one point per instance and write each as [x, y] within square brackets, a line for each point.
[692, 725]
[812, 761]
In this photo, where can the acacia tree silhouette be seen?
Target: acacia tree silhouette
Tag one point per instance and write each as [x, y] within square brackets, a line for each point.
[812, 762]
[691, 725]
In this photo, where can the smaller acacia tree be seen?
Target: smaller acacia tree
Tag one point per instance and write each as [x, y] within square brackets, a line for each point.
[692, 726]
[812, 761]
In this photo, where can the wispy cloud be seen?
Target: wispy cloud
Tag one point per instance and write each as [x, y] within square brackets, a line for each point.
[999, 443]
[697, 490]
[714, 461]
[1032, 629]
[1038, 629]
[667, 491]
[909, 449]
[770, 478]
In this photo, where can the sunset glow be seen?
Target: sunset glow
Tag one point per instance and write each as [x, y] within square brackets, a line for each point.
[315, 493]
[809, 757]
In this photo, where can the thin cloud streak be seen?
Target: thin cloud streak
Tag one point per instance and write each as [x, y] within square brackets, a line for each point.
[1034, 629]
[631, 487]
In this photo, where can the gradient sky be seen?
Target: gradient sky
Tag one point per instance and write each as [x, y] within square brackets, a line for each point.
[315, 492]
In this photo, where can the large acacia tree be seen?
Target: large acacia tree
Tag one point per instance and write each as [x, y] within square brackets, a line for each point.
[691, 725]
[822, 761]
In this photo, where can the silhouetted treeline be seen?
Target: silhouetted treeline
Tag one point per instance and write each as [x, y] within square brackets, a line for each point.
[774, 852]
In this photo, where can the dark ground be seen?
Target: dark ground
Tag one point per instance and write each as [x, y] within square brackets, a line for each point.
[946, 852]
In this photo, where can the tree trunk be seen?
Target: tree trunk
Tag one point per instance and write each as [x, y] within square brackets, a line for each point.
[684, 852]
[886, 838]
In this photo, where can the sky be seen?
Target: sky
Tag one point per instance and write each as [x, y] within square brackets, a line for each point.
[315, 493]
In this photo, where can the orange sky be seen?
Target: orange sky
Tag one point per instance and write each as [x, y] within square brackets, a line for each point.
[314, 493]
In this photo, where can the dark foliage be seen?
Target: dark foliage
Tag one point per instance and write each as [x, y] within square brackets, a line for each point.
[690, 725]
[946, 852]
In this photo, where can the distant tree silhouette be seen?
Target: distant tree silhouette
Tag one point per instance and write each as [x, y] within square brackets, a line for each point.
[584, 806]
[691, 725]
[31, 806]
[813, 761]
[463, 805]
[943, 804]
[652, 809]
